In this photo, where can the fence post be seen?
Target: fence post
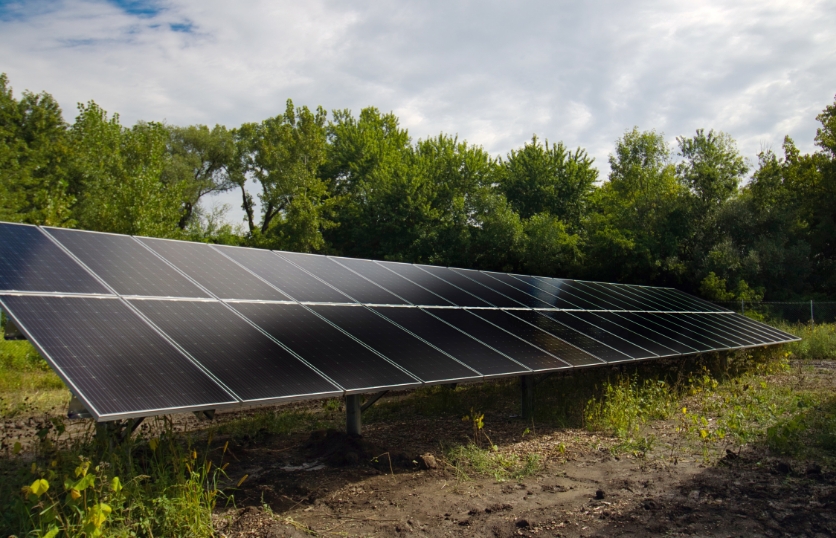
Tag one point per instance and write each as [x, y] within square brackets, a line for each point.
[812, 318]
[742, 307]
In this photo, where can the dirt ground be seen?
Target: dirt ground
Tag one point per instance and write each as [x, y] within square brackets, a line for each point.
[296, 489]
[396, 481]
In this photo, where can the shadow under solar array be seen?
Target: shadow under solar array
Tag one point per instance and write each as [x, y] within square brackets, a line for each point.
[141, 326]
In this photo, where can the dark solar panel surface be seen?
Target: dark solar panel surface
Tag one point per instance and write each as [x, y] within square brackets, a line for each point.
[640, 295]
[212, 270]
[245, 360]
[410, 353]
[122, 366]
[562, 289]
[686, 322]
[439, 287]
[30, 261]
[343, 279]
[773, 333]
[518, 349]
[534, 335]
[522, 299]
[525, 286]
[726, 329]
[127, 266]
[328, 349]
[613, 294]
[398, 285]
[643, 338]
[282, 274]
[606, 297]
[458, 279]
[577, 339]
[113, 358]
[630, 321]
[465, 348]
[594, 331]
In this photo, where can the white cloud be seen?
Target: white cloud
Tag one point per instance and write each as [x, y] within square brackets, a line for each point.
[491, 72]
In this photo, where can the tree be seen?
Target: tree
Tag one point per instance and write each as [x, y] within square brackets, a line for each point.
[548, 179]
[638, 222]
[202, 161]
[33, 159]
[117, 176]
[284, 155]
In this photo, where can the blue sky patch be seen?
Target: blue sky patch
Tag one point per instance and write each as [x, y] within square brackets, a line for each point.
[140, 8]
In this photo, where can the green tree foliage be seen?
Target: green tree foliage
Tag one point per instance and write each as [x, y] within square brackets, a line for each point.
[116, 176]
[33, 159]
[540, 178]
[640, 218]
[283, 155]
[203, 161]
[361, 186]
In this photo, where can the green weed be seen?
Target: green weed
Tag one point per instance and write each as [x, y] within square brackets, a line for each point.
[466, 459]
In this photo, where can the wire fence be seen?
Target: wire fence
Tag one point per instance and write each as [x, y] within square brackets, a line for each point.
[790, 311]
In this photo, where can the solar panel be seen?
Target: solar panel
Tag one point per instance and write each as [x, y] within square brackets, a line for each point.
[467, 349]
[439, 287]
[590, 345]
[593, 331]
[773, 333]
[715, 324]
[532, 334]
[639, 295]
[252, 365]
[525, 286]
[30, 261]
[126, 266]
[605, 296]
[458, 279]
[523, 299]
[398, 285]
[560, 288]
[521, 351]
[646, 340]
[111, 358]
[285, 276]
[337, 355]
[140, 326]
[348, 282]
[212, 270]
[629, 321]
[423, 361]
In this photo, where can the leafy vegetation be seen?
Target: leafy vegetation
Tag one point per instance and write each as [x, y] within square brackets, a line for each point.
[692, 213]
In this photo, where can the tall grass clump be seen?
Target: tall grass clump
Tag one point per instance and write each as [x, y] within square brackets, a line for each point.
[627, 403]
[818, 342]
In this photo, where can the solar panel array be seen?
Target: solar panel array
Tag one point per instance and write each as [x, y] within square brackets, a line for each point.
[138, 326]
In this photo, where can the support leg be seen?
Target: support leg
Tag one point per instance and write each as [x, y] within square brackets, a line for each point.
[353, 414]
[527, 393]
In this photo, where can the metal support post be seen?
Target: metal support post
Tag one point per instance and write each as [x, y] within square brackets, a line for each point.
[353, 414]
[812, 319]
[527, 390]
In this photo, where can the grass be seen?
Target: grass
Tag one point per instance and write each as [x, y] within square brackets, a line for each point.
[818, 341]
[27, 383]
[471, 459]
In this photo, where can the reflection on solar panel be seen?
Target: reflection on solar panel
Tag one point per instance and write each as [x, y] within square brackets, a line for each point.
[413, 355]
[348, 362]
[126, 266]
[139, 326]
[252, 365]
[348, 282]
[212, 270]
[111, 358]
[29, 261]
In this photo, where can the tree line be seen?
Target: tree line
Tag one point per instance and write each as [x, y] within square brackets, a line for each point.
[693, 214]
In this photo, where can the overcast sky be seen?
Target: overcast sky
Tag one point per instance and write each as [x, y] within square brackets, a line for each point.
[492, 72]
